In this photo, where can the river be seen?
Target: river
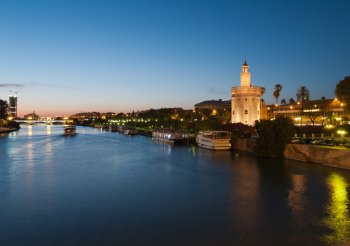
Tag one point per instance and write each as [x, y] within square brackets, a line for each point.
[101, 188]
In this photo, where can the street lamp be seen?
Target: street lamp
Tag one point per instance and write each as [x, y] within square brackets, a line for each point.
[342, 133]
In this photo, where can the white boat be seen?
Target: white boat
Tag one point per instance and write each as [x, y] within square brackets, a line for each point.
[130, 131]
[170, 136]
[215, 140]
[69, 130]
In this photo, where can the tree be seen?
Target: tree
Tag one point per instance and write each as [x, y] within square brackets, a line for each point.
[312, 112]
[342, 91]
[274, 135]
[283, 101]
[4, 108]
[303, 95]
[277, 91]
[291, 100]
[325, 111]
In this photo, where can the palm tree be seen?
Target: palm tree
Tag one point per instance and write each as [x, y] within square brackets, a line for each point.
[291, 100]
[283, 101]
[303, 94]
[277, 91]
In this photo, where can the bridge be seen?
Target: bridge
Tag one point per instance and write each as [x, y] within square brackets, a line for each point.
[47, 122]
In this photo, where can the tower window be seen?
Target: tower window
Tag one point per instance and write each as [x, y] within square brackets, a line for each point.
[246, 111]
[246, 99]
[233, 112]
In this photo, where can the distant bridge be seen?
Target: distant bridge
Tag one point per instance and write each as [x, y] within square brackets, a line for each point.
[48, 122]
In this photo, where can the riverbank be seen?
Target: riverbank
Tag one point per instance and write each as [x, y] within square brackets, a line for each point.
[328, 156]
[6, 130]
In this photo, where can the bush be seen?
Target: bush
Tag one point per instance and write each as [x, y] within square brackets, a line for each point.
[274, 136]
[239, 130]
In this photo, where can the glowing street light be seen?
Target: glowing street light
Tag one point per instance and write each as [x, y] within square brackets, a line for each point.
[329, 126]
[342, 133]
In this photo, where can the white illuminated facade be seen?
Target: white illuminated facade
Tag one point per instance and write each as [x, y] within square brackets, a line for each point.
[246, 100]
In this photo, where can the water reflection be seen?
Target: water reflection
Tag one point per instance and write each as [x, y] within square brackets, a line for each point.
[338, 220]
[296, 196]
[48, 129]
[30, 154]
[246, 200]
[30, 130]
[298, 204]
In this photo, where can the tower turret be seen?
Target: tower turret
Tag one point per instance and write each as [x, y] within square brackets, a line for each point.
[245, 75]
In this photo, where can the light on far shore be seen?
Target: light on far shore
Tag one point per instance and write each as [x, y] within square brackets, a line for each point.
[342, 133]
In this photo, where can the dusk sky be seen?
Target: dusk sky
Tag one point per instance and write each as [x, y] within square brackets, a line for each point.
[71, 56]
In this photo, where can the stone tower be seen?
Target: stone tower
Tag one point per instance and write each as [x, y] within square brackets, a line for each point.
[246, 100]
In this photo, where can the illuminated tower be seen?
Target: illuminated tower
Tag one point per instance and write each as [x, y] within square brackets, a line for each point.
[13, 105]
[245, 100]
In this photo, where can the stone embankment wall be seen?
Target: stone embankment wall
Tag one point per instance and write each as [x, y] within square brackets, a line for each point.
[328, 156]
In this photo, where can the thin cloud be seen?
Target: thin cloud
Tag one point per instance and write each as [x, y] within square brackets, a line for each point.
[11, 85]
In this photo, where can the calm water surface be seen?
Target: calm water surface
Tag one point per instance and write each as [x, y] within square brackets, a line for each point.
[99, 188]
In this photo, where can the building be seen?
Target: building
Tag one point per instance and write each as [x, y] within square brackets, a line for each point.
[311, 112]
[218, 105]
[246, 100]
[13, 106]
[31, 116]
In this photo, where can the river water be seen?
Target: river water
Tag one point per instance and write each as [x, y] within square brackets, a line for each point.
[100, 188]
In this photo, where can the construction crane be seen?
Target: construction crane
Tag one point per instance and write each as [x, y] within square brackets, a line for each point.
[15, 92]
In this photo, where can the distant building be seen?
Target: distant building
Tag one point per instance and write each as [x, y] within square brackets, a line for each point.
[316, 112]
[108, 115]
[86, 115]
[246, 100]
[214, 105]
[31, 116]
[13, 106]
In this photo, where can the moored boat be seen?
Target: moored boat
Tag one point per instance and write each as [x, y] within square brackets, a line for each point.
[215, 140]
[130, 131]
[69, 130]
[170, 136]
[113, 128]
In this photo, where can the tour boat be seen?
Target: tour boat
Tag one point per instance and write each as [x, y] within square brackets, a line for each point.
[69, 130]
[170, 136]
[215, 140]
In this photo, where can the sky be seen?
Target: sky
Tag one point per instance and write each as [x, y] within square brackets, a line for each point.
[70, 56]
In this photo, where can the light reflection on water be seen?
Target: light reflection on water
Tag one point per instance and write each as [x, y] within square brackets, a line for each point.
[338, 220]
[103, 188]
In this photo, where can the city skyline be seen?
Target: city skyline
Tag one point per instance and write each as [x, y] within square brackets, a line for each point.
[71, 56]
